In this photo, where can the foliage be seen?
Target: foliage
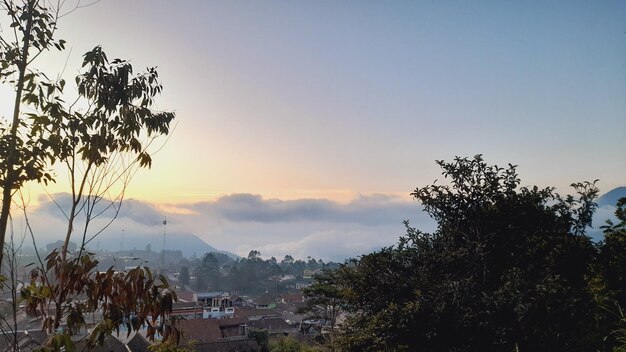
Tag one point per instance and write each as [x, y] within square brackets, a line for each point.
[613, 255]
[208, 274]
[168, 346]
[184, 276]
[261, 337]
[608, 283]
[324, 299]
[101, 137]
[619, 334]
[506, 269]
[289, 344]
[23, 152]
[64, 292]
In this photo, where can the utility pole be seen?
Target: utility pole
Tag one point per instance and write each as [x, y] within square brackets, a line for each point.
[163, 251]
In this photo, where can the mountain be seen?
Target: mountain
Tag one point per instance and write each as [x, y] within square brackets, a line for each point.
[605, 211]
[188, 243]
[611, 197]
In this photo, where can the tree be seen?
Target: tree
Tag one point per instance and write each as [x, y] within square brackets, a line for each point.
[64, 292]
[24, 154]
[609, 282]
[184, 276]
[101, 138]
[207, 274]
[288, 260]
[506, 269]
[613, 255]
[289, 344]
[325, 294]
[254, 255]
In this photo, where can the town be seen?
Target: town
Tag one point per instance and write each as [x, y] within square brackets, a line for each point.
[223, 302]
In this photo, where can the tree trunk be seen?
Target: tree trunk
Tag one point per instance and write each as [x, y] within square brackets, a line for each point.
[10, 173]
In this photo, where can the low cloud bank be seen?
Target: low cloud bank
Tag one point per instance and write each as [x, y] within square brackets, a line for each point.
[319, 228]
[238, 223]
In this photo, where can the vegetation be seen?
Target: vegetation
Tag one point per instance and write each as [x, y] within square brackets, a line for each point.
[289, 344]
[101, 136]
[324, 301]
[252, 275]
[508, 268]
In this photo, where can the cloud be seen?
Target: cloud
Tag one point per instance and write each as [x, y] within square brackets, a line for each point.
[134, 210]
[369, 210]
[333, 244]
[241, 222]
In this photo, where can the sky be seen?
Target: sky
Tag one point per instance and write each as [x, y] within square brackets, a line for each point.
[347, 103]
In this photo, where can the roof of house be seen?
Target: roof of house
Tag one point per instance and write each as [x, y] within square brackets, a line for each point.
[27, 340]
[200, 330]
[184, 305]
[206, 330]
[206, 295]
[293, 297]
[185, 296]
[272, 324]
[247, 313]
[247, 345]
[265, 299]
[138, 343]
[111, 344]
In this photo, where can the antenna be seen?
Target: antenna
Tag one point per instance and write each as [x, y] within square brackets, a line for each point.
[164, 232]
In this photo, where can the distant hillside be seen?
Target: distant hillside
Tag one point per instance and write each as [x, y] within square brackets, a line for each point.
[605, 211]
[611, 197]
[188, 243]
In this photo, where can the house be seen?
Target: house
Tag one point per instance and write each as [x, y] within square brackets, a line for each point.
[110, 344]
[138, 343]
[238, 301]
[186, 296]
[302, 285]
[274, 325]
[292, 298]
[214, 299]
[308, 274]
[212, 330]
[187, 310]
[265, 301]
[215, 304]
[26, 340]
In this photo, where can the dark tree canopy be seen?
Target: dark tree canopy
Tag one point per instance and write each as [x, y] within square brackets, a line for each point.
[506, 269]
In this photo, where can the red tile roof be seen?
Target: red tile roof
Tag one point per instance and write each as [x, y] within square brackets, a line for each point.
[208, 330]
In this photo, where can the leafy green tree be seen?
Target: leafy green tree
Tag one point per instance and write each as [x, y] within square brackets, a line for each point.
[312, 264]
[208, 273]
[505, 270]
[254, 254]
[24, 151]
[262, 338]
[101, 138]
[289, 344]
[324, 299]
[184, 276]
[287, 260]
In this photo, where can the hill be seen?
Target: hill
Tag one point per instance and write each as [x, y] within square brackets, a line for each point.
[611, 197]
[188, 243]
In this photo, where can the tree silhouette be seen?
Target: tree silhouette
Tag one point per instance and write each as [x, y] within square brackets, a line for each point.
[506, 269]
